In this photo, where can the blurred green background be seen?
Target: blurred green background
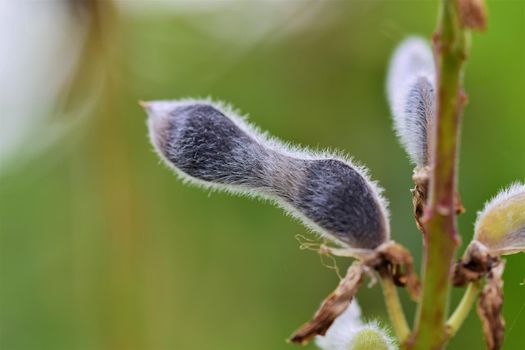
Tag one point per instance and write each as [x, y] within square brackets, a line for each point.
[101, 247]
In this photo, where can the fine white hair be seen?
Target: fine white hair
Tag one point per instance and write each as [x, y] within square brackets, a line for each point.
[411, 94]
[342, 334]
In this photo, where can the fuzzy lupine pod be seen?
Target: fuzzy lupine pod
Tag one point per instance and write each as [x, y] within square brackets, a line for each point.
[411, 94]
[210, 145]
[501, 225]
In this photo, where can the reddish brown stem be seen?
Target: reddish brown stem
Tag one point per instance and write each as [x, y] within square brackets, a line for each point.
[439, 221]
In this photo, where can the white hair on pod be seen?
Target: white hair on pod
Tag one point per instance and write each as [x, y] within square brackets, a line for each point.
[341, 332]
[348, 328]
[500, 226]
[209, 144]
[411, 94]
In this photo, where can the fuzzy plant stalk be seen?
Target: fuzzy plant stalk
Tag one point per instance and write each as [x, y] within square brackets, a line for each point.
[439, 221]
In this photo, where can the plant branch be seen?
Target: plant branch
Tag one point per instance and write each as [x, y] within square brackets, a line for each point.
[395, 310]
[463, 309]
[439, 221]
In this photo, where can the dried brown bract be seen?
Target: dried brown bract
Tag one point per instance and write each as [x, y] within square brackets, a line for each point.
[421, 178]
[489, 309]
[473, 14]
[476, 264]
[333, 306]
[395, 259]
[420, 194]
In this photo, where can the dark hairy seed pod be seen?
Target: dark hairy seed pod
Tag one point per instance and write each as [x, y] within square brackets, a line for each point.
[210, 145]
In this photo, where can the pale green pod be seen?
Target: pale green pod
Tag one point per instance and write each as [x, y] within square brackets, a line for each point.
[371, 337]
[501, 225]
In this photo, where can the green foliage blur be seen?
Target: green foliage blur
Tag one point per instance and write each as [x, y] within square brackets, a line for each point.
[102, 247]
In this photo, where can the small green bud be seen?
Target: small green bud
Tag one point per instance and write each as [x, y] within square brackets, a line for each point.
[348, 332]
[501, 225]
[371, 337]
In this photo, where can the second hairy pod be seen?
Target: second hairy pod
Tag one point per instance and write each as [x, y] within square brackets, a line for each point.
[208, 144]
[411, 94]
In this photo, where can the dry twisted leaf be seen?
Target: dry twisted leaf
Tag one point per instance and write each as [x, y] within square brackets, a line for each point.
[333, 306]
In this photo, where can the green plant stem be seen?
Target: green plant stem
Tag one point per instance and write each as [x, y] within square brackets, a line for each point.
[395, 310]
[439, 222]
[465, 305]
